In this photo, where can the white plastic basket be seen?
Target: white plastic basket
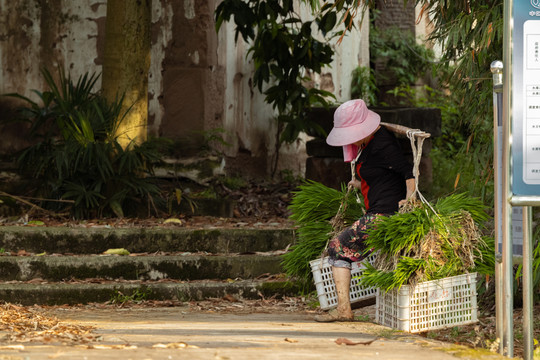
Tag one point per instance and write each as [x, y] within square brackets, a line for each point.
[326, 288]
[429, 305]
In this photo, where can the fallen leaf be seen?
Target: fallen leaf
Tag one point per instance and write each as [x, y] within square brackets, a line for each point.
[346, 341]
[173, 221]
[291, 340]
[120, 251]
[219, 357]
[229, 297]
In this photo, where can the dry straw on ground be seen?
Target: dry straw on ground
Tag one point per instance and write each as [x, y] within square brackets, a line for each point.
[26, 324]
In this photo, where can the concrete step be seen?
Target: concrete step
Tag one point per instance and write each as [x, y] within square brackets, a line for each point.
[146, 267]
[82, 293]
[94, 240]
[166, 263]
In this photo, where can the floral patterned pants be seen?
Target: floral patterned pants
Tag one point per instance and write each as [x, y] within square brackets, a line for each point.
[348, 246]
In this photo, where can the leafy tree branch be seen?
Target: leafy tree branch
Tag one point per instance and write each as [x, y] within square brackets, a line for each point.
[285, 47]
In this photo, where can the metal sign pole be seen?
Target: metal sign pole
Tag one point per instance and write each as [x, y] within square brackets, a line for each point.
[497, 71]
[528, 321]
[506, 210]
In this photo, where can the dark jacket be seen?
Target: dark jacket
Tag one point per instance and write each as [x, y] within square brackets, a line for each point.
[382, 169]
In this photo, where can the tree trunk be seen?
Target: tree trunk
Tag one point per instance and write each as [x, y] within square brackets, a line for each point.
[126, 63]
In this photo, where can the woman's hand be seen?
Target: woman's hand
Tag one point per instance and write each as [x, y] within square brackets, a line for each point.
[355, 183]
[402, 202]
[411, 187]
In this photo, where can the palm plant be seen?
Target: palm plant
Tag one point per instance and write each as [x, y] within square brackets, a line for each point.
[76, 155]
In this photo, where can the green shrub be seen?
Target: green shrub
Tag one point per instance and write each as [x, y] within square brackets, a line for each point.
[363, 85]
[76, 157]
[405, 60]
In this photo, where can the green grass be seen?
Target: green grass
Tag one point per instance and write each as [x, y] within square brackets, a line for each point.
[139, 295]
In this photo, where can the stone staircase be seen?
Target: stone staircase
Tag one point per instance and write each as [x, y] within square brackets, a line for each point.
[67, 265]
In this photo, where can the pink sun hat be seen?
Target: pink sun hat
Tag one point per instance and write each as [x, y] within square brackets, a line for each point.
[353, 121]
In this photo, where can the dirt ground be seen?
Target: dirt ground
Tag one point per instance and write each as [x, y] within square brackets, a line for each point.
[482, 334]
[213, 329]
[76, 325]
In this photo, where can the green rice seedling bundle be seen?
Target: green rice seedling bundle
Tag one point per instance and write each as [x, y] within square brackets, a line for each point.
[430, 243]
[318, 212]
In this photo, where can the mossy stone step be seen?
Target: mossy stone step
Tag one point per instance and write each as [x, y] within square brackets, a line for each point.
[83, 293]
[194, 264]
[74, 240]
[178, 267]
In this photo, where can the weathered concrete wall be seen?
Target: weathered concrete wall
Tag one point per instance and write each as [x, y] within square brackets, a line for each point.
[396, 13]
[198, 80]
[188, 70]
[43, 34]
[246, 119]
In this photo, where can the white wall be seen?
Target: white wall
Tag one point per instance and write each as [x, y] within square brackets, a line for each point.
[249, 121]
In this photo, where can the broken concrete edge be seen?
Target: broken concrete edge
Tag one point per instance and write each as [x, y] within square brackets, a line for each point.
[81, 293]
[143, 240]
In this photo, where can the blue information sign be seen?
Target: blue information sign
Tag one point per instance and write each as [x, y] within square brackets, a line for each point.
[526, 98]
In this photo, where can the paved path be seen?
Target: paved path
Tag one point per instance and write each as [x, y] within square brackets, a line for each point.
[151, 333]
